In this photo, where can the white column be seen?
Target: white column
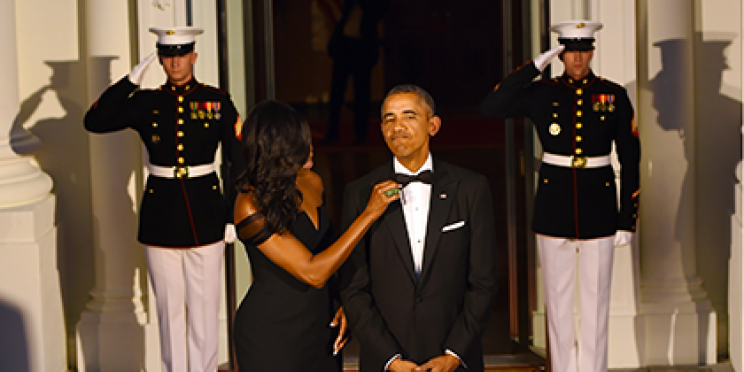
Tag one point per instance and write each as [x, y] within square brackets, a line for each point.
[111, 332]
[680, 324]
[736, 281]
[31, 315]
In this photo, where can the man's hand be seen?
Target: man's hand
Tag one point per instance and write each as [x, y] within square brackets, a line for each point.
[230, 234]
[139, 71]
[401, 365]
[623, 237]
[341, 340]
[542, 60]
[442, 363]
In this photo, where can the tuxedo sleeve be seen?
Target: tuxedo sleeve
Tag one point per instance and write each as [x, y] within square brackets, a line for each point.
[511, 97]
[361, 312]
[482, 278]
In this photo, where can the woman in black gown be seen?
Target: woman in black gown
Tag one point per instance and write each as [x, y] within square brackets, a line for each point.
[283, 323]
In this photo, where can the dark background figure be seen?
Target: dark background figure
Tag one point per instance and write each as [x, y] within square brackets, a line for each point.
[355, 48]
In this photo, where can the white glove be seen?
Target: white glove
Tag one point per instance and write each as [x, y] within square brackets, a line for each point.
[135, 76]
[542, 60]
[230, 234]
[623, 237]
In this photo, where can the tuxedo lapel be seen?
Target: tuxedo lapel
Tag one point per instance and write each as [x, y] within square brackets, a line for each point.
[394, 221]
[443, 190]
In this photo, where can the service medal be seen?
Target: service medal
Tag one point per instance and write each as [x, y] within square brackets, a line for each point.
[554, 129]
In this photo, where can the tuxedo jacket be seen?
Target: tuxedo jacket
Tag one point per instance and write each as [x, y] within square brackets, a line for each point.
[179, 126]
[393, 311]
[580, 118]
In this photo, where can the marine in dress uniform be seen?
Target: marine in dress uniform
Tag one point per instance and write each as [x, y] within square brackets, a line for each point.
[577, 116]
[184, 217]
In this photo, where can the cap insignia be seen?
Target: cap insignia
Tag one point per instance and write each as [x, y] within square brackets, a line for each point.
[581, 25]
[171, 32]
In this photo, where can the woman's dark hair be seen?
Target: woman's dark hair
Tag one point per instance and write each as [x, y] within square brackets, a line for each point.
[276, 144]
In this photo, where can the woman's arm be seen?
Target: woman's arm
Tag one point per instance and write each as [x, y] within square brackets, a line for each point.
[315, 269]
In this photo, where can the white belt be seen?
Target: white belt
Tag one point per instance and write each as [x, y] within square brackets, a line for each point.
[576, 161]
[180, 171]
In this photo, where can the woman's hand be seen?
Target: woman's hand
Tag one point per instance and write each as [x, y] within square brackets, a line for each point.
[382, 194]
[341, 340]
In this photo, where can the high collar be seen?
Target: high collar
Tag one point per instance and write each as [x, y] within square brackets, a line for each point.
[180, 89]
[586, 80]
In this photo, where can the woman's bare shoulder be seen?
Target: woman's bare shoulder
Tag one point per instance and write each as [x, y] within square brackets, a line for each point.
[245, 205]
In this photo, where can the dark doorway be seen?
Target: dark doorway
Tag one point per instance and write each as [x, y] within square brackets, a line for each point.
[454, 49]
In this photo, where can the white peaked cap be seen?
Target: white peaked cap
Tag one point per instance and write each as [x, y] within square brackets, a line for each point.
[176, 35]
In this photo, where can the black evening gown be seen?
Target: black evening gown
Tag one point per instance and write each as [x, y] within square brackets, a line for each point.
[282, 324]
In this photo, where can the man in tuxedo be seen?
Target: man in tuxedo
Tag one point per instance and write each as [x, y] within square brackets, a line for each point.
[419, 287]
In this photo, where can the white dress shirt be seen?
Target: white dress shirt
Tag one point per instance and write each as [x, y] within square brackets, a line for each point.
[416, 199]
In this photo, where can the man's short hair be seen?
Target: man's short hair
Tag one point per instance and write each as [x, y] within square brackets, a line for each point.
[415, 89]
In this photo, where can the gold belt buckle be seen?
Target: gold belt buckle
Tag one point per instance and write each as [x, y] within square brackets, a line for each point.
[181, 172]
[578, 161]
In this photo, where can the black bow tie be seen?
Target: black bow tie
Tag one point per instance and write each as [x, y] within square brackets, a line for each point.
[404, 179]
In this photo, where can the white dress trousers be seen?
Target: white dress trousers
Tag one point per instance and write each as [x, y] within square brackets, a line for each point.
[559, 259]
[186, 283]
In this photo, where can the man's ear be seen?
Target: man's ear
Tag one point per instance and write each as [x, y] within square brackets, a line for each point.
[193, 57]
[435, 123]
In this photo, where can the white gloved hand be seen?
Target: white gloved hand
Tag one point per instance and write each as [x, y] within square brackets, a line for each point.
[623, 237]
[135, 76]
[230, 234]
[542, 60]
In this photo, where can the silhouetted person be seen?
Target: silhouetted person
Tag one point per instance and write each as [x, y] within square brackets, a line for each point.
[354, 48]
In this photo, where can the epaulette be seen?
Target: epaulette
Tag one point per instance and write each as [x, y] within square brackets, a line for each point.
[611, 83]
[213, 89]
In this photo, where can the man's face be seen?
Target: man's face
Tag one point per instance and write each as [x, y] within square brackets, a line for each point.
[407, 124]
[576, 63]
[179, 68]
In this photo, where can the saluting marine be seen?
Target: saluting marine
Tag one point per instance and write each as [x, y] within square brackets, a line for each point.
[577, 116]
[184, 218]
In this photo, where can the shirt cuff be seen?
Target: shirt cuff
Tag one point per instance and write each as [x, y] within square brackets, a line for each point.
[462, 363]
[391, 360]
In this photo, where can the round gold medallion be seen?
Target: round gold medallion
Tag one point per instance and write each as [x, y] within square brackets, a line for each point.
[554, 129]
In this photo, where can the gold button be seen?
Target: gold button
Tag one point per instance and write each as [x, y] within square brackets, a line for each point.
[187, 87]
[180, 108]
[579, 91]
[155, 112]
[206, 125]
[555, 104]
[555, 115]
[214, 187]
[580, 102]
[151, 191]
[578, 151]
[545, 180]
[634, 216]
[602, 117]
[180, 98]
[154, 125]
[578, 125]
[180, 147]
[173, 88]
[607, 184]
[584, 81]
[180, 133]
[570, 81]
[578, 113]
[181, 160]
[578, 138]
[180, 121]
